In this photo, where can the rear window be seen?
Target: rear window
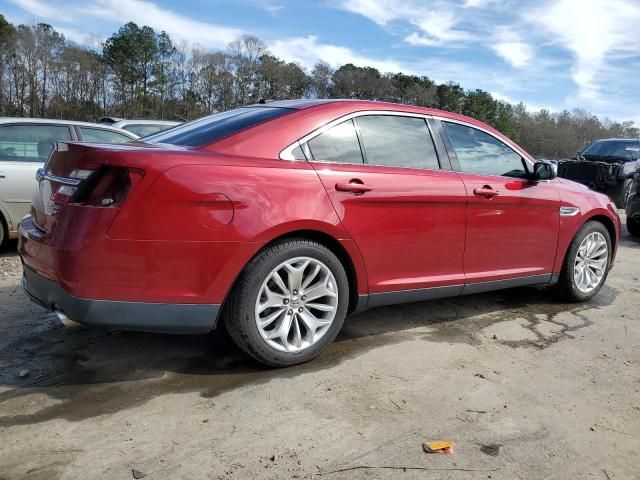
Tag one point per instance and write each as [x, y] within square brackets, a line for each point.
[209, 129]
[30, 143]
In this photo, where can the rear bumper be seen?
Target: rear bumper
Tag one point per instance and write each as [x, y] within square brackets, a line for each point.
[143, 316]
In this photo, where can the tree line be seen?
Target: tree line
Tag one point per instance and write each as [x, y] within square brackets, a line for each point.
[141, 73]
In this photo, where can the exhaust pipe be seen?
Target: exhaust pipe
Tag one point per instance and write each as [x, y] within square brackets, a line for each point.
[66, 321]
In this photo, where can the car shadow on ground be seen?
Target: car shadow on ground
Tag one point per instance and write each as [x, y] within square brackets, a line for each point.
[90, 372]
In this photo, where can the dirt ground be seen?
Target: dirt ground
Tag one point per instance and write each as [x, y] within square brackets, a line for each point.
[526, 388]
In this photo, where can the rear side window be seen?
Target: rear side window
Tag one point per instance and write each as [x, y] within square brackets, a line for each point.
[30, 143]
[98, 135]
[338, 144]
[209, 129]
[397, 141]
[483, 154]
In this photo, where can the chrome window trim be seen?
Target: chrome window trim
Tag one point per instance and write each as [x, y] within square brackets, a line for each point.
[286, 154]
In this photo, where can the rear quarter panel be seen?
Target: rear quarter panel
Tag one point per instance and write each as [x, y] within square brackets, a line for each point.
[267, 198]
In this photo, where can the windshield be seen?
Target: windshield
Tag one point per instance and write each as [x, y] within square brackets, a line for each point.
[622, 148]
[214, 127]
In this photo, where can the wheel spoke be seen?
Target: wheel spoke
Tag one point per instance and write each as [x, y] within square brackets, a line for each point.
[275, 276]
[296, 304]
[265, 322]
[591, 262]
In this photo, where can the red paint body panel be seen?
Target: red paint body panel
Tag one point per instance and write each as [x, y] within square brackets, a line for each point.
[197, 216]
[515, 233]
[410, 227]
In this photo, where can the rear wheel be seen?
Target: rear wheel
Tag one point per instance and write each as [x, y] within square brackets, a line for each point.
[633, 225]
[4, 234]
[586, 264]
[289, 303]
[622, 192]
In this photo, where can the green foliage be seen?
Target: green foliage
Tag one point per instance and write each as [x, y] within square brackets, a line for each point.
[141, 73]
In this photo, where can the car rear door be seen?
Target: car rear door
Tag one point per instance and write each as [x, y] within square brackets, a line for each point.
[512, 222]
[404, 210]
[23, 149]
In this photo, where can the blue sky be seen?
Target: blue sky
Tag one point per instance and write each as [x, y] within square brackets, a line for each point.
[552, 54]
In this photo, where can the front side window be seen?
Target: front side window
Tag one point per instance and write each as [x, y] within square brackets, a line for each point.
[338, 144]
[30, 143]
[97, 135]
[483, 154]
[214, 127]
[397, 141]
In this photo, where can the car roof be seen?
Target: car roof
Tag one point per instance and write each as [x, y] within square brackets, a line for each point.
[121, 123]
[304, 103]
[50, 121]
[618, 140]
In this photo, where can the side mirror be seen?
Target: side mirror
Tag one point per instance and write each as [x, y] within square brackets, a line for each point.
[544, 171]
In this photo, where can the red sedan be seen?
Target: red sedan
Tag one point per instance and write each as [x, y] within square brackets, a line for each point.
[281, 219]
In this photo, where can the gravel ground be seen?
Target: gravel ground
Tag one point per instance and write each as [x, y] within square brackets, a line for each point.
[526, 387]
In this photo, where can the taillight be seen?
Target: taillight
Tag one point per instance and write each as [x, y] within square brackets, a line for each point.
[103, 187]
[106, 187]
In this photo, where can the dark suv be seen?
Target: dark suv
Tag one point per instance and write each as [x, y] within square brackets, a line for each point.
[607, 166]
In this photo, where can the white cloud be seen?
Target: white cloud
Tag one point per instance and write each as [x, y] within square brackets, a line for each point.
[142, 12]
[478, 3]
[600, 31]
[178, 26]
[437, 23]
[40, 9]
[510, 47]
[307, 51]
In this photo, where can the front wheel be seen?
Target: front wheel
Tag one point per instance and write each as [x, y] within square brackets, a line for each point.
[622, 192]
[633, 225]
[289, 303]
[586, 264]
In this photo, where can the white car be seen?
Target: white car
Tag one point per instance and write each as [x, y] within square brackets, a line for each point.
[142, 128]
[25, 145]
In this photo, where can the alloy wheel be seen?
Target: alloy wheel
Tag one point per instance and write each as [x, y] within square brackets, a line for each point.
[590, 264]
[296, 304]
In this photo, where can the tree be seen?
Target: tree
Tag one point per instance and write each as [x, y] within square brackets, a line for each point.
[365, 83]
[320, 82]
[450, 97]
[245, 53]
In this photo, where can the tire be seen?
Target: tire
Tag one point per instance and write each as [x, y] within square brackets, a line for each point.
[256, 286]
[633, 226]
[621, 193]
[4, 233]
[568, 287]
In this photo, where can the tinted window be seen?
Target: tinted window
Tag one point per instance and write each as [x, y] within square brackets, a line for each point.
[212, 128]
[298, 154]
[98, 135]
[338, 144]
[143, 130]
[397, 141]
[30, 143]
[621, 148]
[481, 153]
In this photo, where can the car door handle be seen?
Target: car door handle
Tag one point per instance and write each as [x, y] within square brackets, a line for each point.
[486, 192]
[2, 175]
[354, 186]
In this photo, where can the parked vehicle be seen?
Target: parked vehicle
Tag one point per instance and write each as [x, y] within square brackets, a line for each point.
[633, 206]
[142, 128]
[280, 219]
[25, 144]
[606, 166]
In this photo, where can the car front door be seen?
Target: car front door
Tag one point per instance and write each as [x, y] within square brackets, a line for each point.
[23, 149]
[405, 213]
[512, 222]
